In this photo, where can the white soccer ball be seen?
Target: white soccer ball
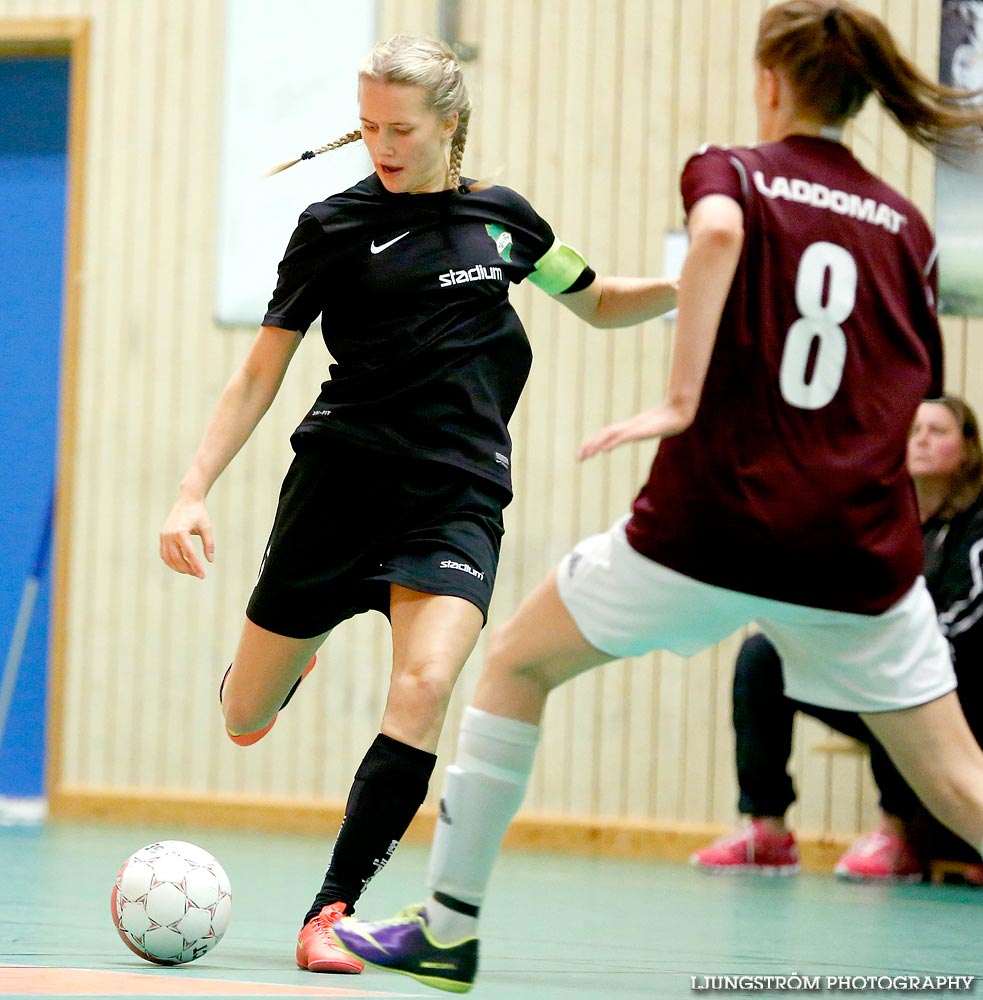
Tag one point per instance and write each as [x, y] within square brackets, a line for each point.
[171, 902]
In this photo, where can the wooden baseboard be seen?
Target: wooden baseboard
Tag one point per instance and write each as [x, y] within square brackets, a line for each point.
[593, 835]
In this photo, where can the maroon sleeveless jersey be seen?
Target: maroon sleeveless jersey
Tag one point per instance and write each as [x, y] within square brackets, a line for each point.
[791, 482]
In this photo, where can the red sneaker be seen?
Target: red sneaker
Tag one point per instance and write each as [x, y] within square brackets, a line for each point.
[248, 739]
[880, 857]
[752, 848]
[317, 951]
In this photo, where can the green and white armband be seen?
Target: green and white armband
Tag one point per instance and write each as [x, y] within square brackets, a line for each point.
[557, 269]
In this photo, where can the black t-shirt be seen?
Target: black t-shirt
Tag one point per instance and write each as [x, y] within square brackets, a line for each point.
[429, 356]
[954, 574]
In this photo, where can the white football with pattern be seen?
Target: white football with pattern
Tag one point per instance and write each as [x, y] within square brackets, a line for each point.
[171, 902]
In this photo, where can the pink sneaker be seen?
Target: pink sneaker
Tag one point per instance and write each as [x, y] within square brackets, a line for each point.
[752, 848]
[880, 857]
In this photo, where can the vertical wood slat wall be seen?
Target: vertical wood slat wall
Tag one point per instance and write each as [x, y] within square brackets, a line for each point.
[589, 108]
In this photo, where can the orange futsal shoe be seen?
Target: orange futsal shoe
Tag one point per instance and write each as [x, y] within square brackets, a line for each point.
[248, 739]
[317, 951]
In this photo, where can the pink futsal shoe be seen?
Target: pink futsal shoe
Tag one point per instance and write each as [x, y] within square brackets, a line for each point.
[248, 739]
[880, 857]
[752, 848]
[317, 951]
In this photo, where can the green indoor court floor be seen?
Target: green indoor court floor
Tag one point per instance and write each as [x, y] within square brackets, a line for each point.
[554, 927]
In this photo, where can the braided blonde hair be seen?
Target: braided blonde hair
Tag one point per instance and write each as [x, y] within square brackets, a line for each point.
[348, 137]
[425, 63]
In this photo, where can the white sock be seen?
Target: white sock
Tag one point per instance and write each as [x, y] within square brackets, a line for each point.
[483, 790]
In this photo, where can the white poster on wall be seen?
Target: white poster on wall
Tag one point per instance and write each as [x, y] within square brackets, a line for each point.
[959, 174]
[291, 84]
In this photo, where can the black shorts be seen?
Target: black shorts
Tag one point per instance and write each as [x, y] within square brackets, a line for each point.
[350, 522]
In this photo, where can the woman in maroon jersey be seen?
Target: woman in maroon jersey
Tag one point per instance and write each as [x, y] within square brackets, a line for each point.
[945, 459]
[807, 337]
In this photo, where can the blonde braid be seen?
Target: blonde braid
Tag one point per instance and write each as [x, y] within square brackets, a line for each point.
[458, 140]
[432, 65]
[311, 153]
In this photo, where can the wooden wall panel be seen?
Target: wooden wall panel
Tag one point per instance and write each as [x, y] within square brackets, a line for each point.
[589, 108]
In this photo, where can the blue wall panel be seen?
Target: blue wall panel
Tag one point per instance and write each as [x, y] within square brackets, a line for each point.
[33, 166]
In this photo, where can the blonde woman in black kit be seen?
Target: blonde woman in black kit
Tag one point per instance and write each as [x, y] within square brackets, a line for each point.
[394, 499]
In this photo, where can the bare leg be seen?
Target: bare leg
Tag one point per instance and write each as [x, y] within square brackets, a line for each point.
[432, 638]
[536, 650]
[265, 668]
[934, 749]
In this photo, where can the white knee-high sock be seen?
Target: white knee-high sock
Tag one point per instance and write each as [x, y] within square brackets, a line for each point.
[483, 790]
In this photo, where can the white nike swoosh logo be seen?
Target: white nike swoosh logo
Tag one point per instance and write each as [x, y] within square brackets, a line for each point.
[385, 246]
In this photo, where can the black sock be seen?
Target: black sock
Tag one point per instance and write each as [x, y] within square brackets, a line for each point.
[390, 785]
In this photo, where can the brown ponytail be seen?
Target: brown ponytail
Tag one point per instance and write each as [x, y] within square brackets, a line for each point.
[835, 54]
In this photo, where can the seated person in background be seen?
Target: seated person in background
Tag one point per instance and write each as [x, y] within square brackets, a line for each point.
[946, 464]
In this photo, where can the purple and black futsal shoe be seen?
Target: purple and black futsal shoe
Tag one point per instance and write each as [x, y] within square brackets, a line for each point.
[403, 944]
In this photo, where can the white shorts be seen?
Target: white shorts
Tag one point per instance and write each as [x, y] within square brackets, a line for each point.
[626, 604]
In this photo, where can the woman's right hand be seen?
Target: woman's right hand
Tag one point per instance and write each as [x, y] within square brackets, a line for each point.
[665, 420]
[188, 517]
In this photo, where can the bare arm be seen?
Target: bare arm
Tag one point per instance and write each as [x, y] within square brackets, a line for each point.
[615, 301]
[245, 398]
[716, 230]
